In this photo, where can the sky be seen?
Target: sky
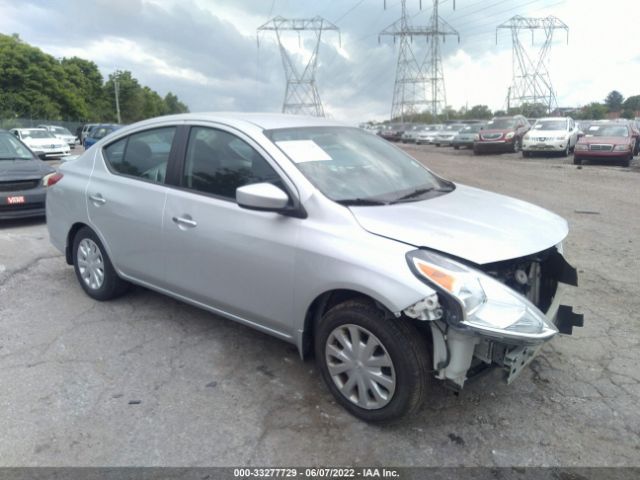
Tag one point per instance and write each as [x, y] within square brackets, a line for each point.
[206, 51]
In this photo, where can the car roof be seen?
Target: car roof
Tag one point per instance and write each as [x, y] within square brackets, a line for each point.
[552, 118]
[265, 121]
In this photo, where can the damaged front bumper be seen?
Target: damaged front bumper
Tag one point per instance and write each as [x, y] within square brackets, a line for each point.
[461, 354]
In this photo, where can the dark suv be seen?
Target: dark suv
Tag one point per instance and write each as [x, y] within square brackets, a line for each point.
[502, 134]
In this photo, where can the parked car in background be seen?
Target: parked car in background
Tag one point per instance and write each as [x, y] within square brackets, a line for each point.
[98, 132]
[410, 134]
[393, 132]
[447, 134]
[502, 134]
[388, 272]
[428, 134]
[551, 135]
[42, 142]
[24, 179]
[62, 133]
[606, 142]
[467, 136]
[86, 130]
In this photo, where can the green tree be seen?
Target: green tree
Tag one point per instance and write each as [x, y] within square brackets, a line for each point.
[593, 111]
[173, 105]
[37, 85]
[614, 101]
[478, 112]
[632, 103]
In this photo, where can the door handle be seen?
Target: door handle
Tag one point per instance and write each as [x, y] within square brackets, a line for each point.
[98, 199]
[185, 221]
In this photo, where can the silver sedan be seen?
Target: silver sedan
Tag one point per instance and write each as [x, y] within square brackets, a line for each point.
[325, 236]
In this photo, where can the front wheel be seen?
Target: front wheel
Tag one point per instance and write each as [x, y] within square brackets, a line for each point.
[376, 367]
[577, 161]
[94, 269]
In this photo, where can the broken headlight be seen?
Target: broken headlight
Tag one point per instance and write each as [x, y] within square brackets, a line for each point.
[484, 304]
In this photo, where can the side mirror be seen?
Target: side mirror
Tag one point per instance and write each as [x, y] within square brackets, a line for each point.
[262, 196]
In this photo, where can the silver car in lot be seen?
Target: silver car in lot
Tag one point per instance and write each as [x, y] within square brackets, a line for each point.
[322, 235]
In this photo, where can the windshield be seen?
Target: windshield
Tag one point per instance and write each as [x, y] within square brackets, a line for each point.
[36, 134]
[550, 125]
[350, 166]
[454, 128]
[101, 132]
[13, 149]
[61, 131]
[471, 128]
[501, 123]
[607, 131]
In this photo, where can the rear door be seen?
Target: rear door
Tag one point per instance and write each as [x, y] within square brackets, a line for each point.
[237, 261]
[125, 198]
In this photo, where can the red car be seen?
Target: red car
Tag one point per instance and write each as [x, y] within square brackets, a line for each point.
[502, 134]
[609, 142]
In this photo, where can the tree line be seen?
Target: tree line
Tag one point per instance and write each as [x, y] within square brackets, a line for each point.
[34, 84]
[614, 103]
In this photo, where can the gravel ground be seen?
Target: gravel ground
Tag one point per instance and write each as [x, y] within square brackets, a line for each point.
[146, 380]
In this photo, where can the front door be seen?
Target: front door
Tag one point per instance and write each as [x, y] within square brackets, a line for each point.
[237, 261]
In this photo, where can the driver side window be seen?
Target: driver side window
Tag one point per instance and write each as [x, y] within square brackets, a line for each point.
[218, 163]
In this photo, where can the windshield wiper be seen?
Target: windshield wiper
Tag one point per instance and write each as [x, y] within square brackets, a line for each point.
[360, 202]
[415, 193]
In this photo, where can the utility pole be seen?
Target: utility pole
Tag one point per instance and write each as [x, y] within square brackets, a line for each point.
[419, 85]
[116, 87]
[301, 93]
[531, 82]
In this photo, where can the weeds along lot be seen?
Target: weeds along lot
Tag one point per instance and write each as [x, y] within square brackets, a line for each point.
[146, 380]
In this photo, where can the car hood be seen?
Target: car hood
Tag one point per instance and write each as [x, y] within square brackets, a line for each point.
[42, 142]
[607, 140]
[548, 133]
[468, 223]
[23, 169]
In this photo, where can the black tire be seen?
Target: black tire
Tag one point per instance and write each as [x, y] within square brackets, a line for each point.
[626, 162]
[403, 343]
[526, 154]
[456, 147]
[577, 161]
[112, 285]
[476, 151]
[566, 151]
[437, 144]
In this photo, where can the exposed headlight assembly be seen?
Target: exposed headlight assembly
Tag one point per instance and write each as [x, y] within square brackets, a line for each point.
[477, 301]
[509, 135]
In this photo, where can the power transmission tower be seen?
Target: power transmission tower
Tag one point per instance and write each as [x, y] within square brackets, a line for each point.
[531, 82]
[301, 93]
[419, 84]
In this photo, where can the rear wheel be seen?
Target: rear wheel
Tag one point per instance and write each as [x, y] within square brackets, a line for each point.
[377, 368]
[93, 267]
[626, 162]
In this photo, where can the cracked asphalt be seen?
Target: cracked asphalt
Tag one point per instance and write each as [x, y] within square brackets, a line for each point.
[146, 380]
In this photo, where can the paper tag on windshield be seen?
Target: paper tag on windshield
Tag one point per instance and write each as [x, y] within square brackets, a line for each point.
[303, 151]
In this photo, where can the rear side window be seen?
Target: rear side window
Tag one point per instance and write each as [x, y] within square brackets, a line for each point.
[144, 155]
